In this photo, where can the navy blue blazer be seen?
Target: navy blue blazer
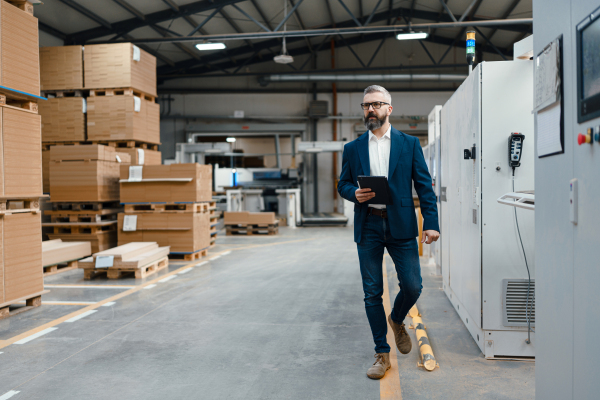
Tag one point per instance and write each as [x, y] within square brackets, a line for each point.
[407, 164]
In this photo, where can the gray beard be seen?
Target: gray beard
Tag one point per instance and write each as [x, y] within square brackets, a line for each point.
[374, 124]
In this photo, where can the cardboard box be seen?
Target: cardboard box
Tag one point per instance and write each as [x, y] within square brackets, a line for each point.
[191, 183]
[63, 119]
[61, 68]
[184, 232]
[249, 218]
[85, 173]
[118, 118]
[114, 66]
[21, 273]
[143, 156]
[56, 251]
[21, 163]
[19, 61]
[99, 241]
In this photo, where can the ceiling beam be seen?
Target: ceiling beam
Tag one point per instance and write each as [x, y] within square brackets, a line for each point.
[84, 11]
[128, 25]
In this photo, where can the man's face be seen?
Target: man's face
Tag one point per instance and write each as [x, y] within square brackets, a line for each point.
[375, 119]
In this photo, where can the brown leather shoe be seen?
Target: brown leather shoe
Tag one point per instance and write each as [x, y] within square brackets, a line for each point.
[403, 341]
[381, 365]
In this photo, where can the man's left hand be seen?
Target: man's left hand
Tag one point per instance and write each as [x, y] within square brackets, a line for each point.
[430, 236]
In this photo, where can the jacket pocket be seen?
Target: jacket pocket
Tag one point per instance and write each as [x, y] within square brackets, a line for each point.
[407, 202]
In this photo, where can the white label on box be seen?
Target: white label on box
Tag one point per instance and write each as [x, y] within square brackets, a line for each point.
[140, 156]
[137, 55]
[118, 158]
[83, 106]
[137, 104]
[238, 114]
[135, 173]
[130, 223]
[104, 261]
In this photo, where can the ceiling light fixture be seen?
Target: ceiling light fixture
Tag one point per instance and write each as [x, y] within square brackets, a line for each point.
[412, 35]
[230, 140]
[210, 46]
[284, 57]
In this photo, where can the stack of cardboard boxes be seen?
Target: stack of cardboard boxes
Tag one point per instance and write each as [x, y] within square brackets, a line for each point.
[21, 273]
[167, 204]
[101, 113]
[251, 223]
[100, 94]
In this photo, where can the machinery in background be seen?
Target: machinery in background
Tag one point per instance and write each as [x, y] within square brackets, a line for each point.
[484, 268]
[435, 170]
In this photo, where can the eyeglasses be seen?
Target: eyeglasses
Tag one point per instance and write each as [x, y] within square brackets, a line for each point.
[376, 105]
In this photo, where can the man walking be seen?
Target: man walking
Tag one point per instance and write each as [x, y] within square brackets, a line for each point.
[385, 151]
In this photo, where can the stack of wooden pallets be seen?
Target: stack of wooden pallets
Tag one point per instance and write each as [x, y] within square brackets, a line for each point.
[139, 259]
[169, 204]
[21, 273]
[100, 94]
[249, 223]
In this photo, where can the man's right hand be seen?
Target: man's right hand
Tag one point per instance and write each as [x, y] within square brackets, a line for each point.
[363, 195]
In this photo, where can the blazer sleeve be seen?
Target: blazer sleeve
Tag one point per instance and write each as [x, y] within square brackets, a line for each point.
[347, 184]
[423, 186]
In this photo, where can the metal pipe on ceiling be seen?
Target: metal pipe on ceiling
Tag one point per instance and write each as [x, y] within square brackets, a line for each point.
[324, 32]
[266, 79]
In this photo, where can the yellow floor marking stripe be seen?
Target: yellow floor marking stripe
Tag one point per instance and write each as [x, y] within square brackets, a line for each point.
[389, 386]
[8, 342]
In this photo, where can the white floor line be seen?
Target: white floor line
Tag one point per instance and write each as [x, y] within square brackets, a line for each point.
[88, 287]
[51, 302]
[226, 253]
[82, 315]
[201, 264]
[34, 336]
[8, 395]
[168, 278]
[150, 286]
[110, 303]
[214, 258]
[185, 271]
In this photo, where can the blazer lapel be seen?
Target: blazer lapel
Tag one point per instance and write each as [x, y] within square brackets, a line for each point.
[363, 153]
[396, 149]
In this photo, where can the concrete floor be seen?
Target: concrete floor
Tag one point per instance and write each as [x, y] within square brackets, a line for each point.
[270, 320]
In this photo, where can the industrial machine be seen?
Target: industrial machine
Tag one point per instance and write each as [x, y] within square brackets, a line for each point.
[567, 190]
[488, 274]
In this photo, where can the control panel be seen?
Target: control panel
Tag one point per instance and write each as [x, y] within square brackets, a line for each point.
[591, 135]
[515, 149]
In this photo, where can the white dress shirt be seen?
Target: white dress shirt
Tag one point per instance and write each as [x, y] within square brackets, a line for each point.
[379, 157]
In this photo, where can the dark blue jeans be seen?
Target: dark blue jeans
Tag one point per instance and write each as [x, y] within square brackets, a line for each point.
[376, 236]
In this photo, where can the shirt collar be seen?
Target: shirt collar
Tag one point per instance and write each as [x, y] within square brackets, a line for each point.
[387, 134]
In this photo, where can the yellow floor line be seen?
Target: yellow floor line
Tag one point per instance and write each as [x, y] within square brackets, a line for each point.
[389, 386]
[8, 342]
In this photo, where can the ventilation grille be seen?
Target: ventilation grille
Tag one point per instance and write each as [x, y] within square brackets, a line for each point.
[514, 302]
[318, 109]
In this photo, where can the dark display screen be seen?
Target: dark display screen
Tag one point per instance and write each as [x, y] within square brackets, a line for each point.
[590, 59]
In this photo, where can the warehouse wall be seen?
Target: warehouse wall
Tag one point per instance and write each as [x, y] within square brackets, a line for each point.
[294, 104]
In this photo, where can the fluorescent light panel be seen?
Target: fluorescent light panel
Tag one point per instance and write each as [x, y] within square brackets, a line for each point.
[412, 35]
[230, 140]
[210, 46]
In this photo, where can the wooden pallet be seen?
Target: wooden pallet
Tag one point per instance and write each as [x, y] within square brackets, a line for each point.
[189, 256]
[112, 143]
[15, 206]
[166, 207]
[84, 206]
[252, 226]
[117, 273]
[101, 212]
[19, 104]
[65, 93]
[58, 268]
[76, 228]
[252, 231]
[121, 92]
[31, 302]
[85, 218]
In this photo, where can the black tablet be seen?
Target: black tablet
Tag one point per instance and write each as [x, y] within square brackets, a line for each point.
[379, 185]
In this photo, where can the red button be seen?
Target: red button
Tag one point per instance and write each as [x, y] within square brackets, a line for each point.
[581, 139]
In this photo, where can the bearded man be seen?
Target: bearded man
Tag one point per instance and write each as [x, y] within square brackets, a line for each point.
[385, 151]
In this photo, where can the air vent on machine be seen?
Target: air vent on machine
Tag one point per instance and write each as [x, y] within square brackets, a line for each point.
[515, 307]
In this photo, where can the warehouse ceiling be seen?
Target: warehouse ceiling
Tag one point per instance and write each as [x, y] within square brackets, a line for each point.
[363, 28]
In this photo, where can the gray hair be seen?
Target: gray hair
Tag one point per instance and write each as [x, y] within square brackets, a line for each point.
[380, 89]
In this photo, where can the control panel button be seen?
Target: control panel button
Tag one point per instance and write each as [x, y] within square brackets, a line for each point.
[581, 139]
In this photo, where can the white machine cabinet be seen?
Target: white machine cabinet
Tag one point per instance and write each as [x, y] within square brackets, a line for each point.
[435, 170]
[288, 201]
[483, 266]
